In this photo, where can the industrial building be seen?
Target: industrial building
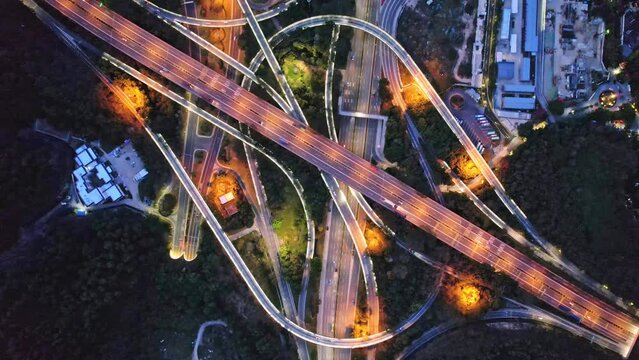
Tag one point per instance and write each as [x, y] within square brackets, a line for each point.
[531, 26]
[518, 103]
[515, 57]
[94, 180]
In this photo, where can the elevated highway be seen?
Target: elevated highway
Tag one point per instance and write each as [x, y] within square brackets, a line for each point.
[373, 183]
[552, 253]
[190, 20]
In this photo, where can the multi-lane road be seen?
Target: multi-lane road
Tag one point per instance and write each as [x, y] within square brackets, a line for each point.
[349, 168]
[189, 238]
[554, 256]
[356, 134]
[192, 20]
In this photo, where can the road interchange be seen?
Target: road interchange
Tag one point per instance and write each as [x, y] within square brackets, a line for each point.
[372, 182]
[189, 20]
[73, 41]
[553, 254]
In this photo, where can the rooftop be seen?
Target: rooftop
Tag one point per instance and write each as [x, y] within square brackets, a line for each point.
[226, 198]
[531, 40]
[505, 70]
[519, 88]
[518, 103]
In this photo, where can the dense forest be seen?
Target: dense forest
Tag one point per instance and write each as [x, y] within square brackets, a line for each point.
[481, 342]
[404, 283]
[103, 287]
[577, 183]
[33, 174]
[398, 150]
[54, 84]
[100, 287]
[610, 11]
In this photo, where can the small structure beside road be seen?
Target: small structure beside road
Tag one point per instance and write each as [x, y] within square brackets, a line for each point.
[225, 194]
[228, 204]
[94, 179]
[140, 175]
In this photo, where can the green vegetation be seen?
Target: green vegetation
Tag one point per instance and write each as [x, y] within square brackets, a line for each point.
[242, 219]
[297, 73]
[204, 128]
[254, 253]
[460, 204]
[397, 142]
[631, 75]
[75, 285]
[292, 261]
[246, 41]
[54, 84]
[306, 53]
[610, 11]
[315, 192]
[431, 34]
[146, 189]
[481, 342]
[289, 225]
[389, 350]
[384, 91]
[576, 182]
[313, 302]
[398, 147]
[167, 204]
[304, 64]
[103, 287]
[310, 8]
[403, 283]
[433, 128]
[33, 172]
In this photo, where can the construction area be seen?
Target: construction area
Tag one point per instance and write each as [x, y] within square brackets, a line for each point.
[573, 48]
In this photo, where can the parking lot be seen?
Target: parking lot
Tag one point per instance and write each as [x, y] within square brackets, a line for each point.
[126, 162]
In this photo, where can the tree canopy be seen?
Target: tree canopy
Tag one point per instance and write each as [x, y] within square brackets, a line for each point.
[576, 182]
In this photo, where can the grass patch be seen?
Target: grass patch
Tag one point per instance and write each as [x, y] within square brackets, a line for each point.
[297, 73]
[253, 251]
[289, 225]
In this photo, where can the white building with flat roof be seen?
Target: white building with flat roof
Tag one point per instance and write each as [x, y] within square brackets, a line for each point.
[93, 179]
[141, 175]
[113, 192]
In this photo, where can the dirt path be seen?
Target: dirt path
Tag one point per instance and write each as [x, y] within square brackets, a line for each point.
[469, 30]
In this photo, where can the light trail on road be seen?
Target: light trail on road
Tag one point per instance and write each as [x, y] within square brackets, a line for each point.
[188, 20]
[71, 41]
[354, 171]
